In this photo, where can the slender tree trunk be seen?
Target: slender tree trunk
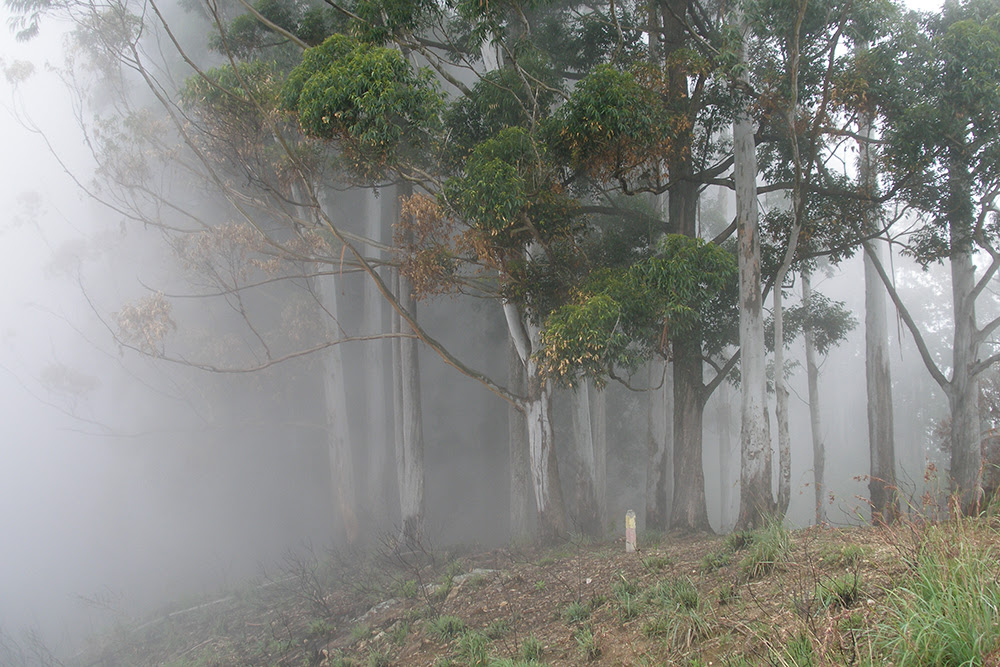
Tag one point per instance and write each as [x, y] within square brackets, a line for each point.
[410, 446]
[781, 402]
[882, 487]
[756, 501]
[376, 442]
[659, 475]
[963, 397]
[338, 440]
[521, 504]
[812, 374]
[588, 513]
[599, 424]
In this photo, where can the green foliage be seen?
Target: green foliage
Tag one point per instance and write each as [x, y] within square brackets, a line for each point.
[408, 589]
[367, 98]
[620, 316]
[399, 633]
[675, 594]
[830, 322]
[715, 560]
[627, 596]
[657, 562]
[613, 127]
[497, 629]
[359, 632]
[797, 652]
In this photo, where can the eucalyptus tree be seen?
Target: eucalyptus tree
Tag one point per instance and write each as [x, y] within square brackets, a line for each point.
[935, 89]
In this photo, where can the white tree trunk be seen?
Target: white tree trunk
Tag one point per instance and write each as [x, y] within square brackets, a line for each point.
[725, 455]
[812, 374]
[376, 442]
[659, 475]
[409, 419]
[521, 504]
[599, 423]
[338, 440]
[537, 408]
[781, 400]
[589, 519]
[882, 489]
[756, 500]
[963, 397]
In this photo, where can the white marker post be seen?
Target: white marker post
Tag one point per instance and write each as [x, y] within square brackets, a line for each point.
[629, 532]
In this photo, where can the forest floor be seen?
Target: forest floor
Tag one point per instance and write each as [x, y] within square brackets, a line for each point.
[816, 596]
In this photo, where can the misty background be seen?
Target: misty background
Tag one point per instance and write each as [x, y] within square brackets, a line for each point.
[129, 485]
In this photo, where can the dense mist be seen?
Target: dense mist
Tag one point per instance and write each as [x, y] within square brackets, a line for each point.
[173, 345]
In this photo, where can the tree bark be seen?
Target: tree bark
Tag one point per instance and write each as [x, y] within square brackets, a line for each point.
[882, 487]
[812, 375]
[659, 439]
[756, 501]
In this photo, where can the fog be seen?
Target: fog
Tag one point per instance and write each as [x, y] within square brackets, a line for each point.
[130, 484]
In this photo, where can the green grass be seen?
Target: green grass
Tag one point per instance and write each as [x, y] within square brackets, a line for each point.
[947, 612]
[497, 629]
[768, 547]
[576, 612]
[842, 591]
[627, 595]
[446, 627]
[658, 562]
[473, 649]
[359, 632]
[677, 593]
[587, 643]
[399, 633]
[531, 648]
[716, 560]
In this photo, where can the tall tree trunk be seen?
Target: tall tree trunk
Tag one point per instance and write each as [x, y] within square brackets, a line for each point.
[376, 441]
[688, 512]
[521, 504]
[410, 445]
[537, 408]
[756, 501]
[659, 439]
[963, 397]
[812, 374]
[781, 399]
[338, 440]
[882, 485]
[588, 512]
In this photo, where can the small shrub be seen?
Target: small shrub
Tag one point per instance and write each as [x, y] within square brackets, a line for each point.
[446, 627]
[575, 612]
[848, 555]
[409, 589]
[531, 648]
